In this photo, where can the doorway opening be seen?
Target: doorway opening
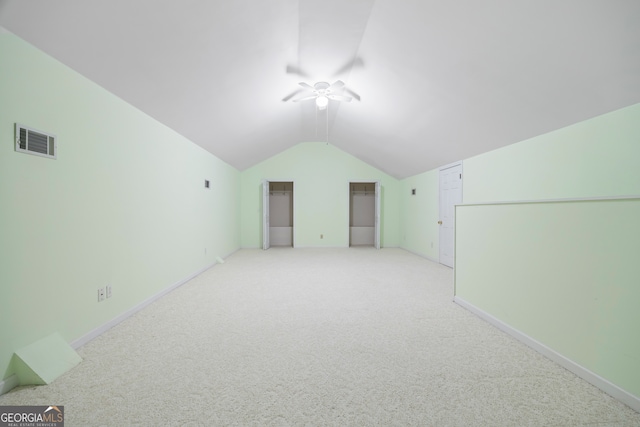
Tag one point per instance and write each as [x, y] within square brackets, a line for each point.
[364, 214]
[279, 214]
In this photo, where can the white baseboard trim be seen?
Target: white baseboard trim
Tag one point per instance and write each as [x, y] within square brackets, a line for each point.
[12, 381]
[75, 344]
[605, 385]
[9, 383]
[321, 247]
[432, 259]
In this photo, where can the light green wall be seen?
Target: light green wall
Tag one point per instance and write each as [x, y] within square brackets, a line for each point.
[568, 289]
[597, 157]
[124, 204]
[562, 273]
[419, 227]
[565, 274]
[321, 175]
[594, 158]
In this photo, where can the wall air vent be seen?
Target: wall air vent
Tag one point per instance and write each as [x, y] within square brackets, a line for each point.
[32, 141]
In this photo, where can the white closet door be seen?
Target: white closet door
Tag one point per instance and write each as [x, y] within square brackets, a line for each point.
[265, 214]
[377, 218]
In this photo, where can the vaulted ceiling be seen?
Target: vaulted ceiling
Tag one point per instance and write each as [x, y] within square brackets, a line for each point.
[438, 81]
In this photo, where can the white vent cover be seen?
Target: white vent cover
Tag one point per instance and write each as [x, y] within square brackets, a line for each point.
[32, 141]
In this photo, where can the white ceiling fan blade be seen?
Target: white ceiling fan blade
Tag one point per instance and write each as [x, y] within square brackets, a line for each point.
[292, 69]
[352, 93]
[340, 98]
[305, 98]
[339, 84]
[306, 86]
[292, 94]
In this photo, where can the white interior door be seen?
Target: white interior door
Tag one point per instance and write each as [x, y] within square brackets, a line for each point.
[265, 214]
[450, 196]
[376, 240]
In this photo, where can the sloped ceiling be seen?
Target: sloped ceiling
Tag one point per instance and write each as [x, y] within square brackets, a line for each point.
[438, 81]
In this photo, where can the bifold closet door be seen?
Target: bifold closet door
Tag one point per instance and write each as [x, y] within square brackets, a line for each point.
[265, 215]
[376, 240]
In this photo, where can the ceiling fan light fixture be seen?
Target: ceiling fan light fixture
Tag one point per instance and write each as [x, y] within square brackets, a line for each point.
[322, 102]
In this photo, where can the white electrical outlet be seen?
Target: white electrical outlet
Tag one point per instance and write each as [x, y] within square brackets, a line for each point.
[100, 294]
[108, 291]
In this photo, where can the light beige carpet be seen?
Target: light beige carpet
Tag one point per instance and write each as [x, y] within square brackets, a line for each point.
[336, 337]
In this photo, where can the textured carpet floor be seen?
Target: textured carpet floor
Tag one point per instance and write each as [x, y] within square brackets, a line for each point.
[337, 337]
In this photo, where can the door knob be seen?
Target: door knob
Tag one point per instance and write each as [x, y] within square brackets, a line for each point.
[440, 222]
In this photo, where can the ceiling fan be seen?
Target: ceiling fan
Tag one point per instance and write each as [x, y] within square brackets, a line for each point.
[322, 92]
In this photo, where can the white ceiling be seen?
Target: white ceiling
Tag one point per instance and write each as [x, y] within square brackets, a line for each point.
[439, 81]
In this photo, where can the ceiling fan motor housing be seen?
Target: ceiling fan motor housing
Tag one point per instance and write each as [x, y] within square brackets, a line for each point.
[321, 87]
